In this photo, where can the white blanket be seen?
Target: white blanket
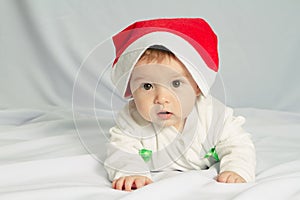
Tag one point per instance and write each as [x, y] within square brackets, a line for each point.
[42, 157]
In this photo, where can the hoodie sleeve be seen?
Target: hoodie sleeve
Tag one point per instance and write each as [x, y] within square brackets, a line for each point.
[235, 148]
[122, 157]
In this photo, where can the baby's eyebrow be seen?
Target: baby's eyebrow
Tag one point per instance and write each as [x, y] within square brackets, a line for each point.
[179, 76]
[139, 78]
[149, 78]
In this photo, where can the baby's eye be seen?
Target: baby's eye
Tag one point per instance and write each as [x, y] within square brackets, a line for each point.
[176, 83]
[147, 86]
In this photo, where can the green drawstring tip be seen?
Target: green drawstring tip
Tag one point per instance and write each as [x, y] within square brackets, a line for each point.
[146, 154]
[212, 152]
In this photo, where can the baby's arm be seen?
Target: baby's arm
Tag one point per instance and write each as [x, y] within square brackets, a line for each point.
[236, 151]
[128, 183]
[125, 167]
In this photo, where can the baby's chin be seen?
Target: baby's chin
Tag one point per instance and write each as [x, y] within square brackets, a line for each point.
[160, 124]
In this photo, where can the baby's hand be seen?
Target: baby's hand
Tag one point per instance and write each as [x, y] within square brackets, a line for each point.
[128, 183]
[230, 177]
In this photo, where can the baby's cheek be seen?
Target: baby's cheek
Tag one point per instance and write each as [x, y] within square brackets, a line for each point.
[144, 109]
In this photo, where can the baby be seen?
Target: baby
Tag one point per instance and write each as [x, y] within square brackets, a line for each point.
[171, 122]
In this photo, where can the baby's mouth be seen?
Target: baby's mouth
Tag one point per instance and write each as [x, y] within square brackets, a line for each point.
[164, 115]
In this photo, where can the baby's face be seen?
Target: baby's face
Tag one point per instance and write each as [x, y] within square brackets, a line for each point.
[164, 93]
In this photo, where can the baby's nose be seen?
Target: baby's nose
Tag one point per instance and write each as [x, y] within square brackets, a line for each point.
[162, 95]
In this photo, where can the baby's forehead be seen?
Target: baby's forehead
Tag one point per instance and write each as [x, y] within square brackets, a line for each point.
[157, 72]
[174, 65]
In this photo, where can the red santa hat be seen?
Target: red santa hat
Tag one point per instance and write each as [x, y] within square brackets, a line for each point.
[192, 41]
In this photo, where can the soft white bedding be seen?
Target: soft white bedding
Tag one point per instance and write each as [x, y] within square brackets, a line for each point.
[42, 157]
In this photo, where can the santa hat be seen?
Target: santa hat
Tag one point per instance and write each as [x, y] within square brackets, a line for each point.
[191, 40]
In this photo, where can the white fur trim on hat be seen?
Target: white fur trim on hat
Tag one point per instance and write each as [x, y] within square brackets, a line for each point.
[183, 50]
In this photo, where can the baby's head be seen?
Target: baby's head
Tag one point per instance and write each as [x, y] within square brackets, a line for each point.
[165, 60]
[163, 90]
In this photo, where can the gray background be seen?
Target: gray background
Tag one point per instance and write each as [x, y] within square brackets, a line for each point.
[43, 43]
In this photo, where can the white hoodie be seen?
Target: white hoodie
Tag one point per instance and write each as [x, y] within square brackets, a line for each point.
[211, 124]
